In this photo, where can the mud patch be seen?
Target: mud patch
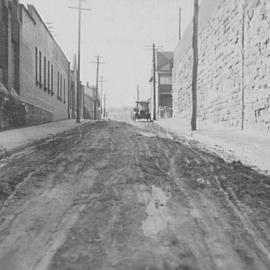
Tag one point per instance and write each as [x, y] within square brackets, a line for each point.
[158, 216]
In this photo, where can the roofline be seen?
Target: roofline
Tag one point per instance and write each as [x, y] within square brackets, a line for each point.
[28, 13]
[46, 28]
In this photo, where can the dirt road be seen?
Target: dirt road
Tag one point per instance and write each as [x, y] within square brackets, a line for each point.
[113, 196]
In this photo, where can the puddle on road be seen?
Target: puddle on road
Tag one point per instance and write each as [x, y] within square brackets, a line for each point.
[157, 211]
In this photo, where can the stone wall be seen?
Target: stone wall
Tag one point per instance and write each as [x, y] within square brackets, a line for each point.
[12, 111]
[233, 69]
[257, 64]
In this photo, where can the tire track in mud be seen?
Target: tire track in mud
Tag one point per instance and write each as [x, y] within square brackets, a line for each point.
[40, 220]
[250, 246]
[118, 197]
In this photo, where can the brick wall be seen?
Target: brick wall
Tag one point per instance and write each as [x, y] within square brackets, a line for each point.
[233, 56]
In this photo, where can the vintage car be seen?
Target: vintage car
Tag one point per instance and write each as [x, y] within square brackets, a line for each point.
[142, 111]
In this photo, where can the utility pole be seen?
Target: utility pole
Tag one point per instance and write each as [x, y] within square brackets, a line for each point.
[98, 63]
[154, 81]
[180, 23]
[154, 51]
[243, 66]
[138, 93]
[104, 110]
[195, 65]
[101, 93]
[78, 118]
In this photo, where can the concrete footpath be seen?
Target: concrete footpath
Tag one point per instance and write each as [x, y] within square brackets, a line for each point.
[250, 148]
[12, 140]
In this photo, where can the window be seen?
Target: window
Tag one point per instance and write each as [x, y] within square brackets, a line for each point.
[45, 73]
[58, 84]
[40, 69]
[165, 80]
[64, 90]
[49, 75]
[36, 66]
[52, 93]
[61, 87]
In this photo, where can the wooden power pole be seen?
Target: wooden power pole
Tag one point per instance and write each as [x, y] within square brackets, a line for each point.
[195, 65]
[138, 93]
[78, 118]
[180, 23]
[98, 63]
[154, 82]
[154, 50]
[101, 94]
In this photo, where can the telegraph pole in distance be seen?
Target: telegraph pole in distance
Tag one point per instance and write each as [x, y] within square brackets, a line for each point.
[154, 81]
[138, 93]
[104, 110]
[101, 92]
[78, 118]
[154, 49]
[180, 23]
[98, 63]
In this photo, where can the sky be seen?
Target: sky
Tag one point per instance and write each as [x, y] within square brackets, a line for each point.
[118, 31]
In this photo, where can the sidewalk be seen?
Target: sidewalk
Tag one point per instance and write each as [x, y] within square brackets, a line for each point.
[250, 148]
[14, 139]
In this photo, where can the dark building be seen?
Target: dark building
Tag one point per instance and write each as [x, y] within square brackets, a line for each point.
[10, 44]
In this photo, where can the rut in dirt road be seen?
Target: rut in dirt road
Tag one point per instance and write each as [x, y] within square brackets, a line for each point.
[114, 196]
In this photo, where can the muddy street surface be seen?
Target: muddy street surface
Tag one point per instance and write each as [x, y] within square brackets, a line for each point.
[111, 195]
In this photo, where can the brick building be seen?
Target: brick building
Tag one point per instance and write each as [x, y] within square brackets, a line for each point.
[234, 70]
[44, 70]
[164, 79]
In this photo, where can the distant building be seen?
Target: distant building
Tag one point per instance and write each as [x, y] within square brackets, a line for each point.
[88, 101]
[44, 70]
[164, 84]
[72, 106]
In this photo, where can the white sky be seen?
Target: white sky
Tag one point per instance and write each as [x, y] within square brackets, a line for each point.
[118, 30]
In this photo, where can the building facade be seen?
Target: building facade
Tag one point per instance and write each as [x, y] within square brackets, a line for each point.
[34, 72]
[164, 88]
[44, 71]
[90, 101]
[12, 111]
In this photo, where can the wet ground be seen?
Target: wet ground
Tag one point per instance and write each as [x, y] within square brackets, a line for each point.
[114, 196]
